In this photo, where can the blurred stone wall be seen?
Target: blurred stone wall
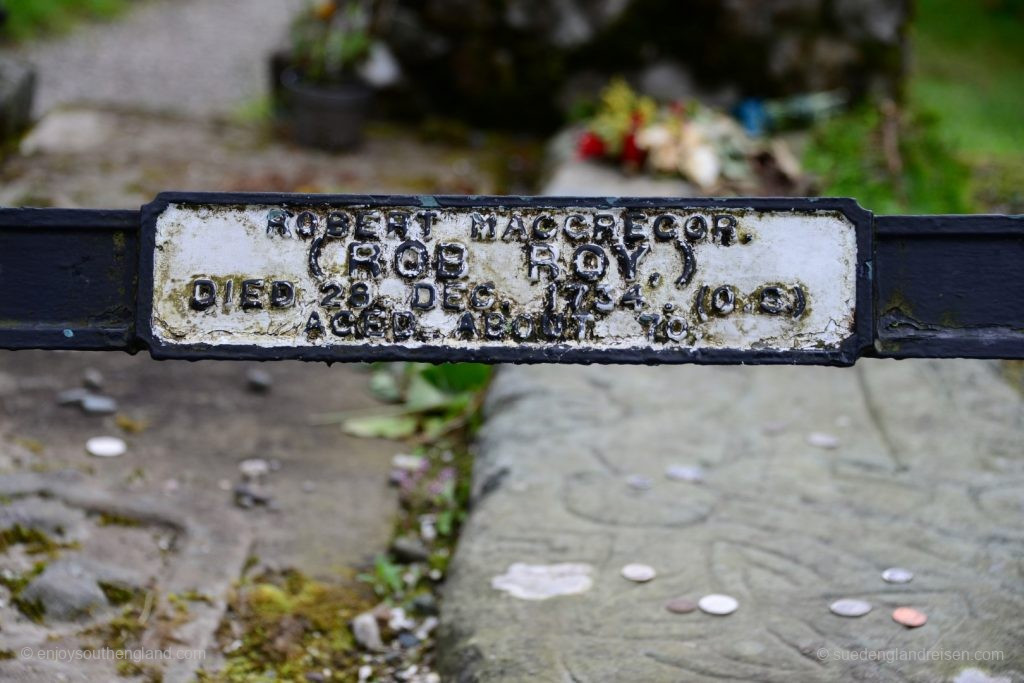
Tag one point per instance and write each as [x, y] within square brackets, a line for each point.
[522, 62]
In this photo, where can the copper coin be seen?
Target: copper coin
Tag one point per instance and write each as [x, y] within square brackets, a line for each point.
[680, 605]
[909, 617]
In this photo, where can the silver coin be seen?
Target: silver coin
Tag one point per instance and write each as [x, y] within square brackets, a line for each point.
[639, 482]
[690, 473]
[640, 573]
[718, 604]
[898, 575]
[98, 405]
[823, 440]
[848, 607]
[105, 446]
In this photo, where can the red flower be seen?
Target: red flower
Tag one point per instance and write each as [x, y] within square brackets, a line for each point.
[631, 154]
[590, 145]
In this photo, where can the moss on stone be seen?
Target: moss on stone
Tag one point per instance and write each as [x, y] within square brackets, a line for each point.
[288, 625]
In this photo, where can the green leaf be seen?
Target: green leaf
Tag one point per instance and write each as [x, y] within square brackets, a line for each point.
[389, 574]
[445, 521]
[380, 426]
[458, 377]
[421, 395]
[384, 386]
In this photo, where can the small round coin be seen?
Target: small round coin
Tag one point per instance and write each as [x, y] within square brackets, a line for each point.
[823, 440]
[690, 473]
[105, 446]
[719, 605]
[848, 607]
[640, 573]
[680, 605]
[639, 482]
[909, 617]
[897, 575]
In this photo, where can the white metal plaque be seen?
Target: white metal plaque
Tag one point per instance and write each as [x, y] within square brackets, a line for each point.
[507, 278]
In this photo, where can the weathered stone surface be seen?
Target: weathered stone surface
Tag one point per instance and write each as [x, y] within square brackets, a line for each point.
[66, 590]
[928, 475]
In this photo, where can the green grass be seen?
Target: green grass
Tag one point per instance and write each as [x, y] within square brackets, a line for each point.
[961, 137]
[31, 18]
[968, 66]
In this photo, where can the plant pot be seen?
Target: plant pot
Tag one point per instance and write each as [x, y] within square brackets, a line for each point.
[326, 117]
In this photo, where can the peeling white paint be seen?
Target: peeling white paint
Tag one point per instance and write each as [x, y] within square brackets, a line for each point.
[815, 251]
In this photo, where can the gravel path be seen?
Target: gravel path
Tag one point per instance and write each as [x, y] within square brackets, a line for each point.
[197, 57]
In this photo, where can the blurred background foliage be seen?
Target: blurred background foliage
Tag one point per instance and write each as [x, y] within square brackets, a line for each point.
[954, 144]
[957, 143]
[30, 18]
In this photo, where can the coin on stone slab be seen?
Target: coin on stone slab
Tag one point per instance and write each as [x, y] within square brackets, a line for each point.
[680, 605]
[909, 617]
[848, 607]
[640, 573]
[717, 604]
[897, 575]
[105, 446]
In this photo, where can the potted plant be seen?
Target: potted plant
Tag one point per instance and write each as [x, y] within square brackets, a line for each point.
[325, 99]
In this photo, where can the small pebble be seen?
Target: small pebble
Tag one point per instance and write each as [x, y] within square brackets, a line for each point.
[409, 549]
[106, 446]
[690, 473]
[640, 573]
[407, 640]
[639, 482]
[849, 607]
[92, 379]
[367, 632]
[897, 575]
[250, 495]
[428, 528]
[258, 380]
[99, 405]
[365, 671]
[254, 468]
[425, 603]
[401, 461]
[680, 605]
[427, 627]
[72, 397]
[909, 617]
[717, 604]
[822, 440]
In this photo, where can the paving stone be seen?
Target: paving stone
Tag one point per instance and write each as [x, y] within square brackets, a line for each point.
[929, 474]
[66, 591]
